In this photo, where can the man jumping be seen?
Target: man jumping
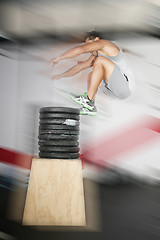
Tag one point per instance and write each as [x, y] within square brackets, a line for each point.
[110, 70]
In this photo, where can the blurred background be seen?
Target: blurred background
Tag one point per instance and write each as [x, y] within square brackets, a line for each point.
[31, 33]
[29, 19]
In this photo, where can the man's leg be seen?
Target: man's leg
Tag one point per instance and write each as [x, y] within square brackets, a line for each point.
[88, 81]
[102, 68]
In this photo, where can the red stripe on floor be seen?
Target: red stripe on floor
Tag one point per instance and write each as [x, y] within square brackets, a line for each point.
[15, 158]
[110, 147]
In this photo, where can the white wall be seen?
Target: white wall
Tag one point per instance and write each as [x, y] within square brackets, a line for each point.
[8, 98]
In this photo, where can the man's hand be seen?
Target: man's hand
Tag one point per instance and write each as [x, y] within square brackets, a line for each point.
[79, 62]
[95, 53]
[54, 61]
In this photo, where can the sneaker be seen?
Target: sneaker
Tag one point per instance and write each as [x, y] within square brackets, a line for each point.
[85, 111]
[83, 100]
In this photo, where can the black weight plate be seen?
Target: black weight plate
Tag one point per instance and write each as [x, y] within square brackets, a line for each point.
[58, 143]
[58, 122]
[59, 155]
[58, 127]
[59, 115]
[59, 110]
[58, 137]
[59, 149]
[64, 132]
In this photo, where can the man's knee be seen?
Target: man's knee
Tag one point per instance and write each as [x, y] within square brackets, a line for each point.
[99, 60]
[89, 75]
[105, 62]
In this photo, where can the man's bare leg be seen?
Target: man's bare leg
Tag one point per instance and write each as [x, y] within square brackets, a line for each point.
[88, 81]
[102, 69]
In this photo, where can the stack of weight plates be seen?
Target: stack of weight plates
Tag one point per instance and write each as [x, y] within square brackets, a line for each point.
[59, 133]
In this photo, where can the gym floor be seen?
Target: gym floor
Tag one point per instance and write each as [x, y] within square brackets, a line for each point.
[128, 211]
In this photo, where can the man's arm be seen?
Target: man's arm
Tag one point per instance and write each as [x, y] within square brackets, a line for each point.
[74, 52]
[77, 68]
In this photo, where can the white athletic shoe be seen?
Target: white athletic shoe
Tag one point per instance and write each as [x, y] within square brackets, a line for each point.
[83, 100]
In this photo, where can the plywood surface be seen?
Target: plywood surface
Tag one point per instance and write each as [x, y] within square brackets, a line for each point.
[55, 194]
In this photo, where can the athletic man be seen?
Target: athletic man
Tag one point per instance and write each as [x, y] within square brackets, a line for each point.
[110, 70]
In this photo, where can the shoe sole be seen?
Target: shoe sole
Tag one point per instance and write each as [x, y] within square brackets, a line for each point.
[89, 113]
[86, 106]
